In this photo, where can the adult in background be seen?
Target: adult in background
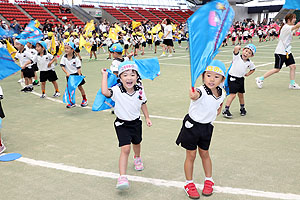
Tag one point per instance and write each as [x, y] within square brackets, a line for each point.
[15, 26]
[168, 36]
[283, 52]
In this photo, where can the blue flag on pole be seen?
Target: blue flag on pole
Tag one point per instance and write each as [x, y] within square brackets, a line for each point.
[73, 82]
[8, 66]
[149, 68]
[292, 4]
[31, 32]
[226, 87]
[208, 27]
[102, 102]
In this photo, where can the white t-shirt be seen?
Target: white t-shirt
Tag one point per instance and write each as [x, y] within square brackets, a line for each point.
[239, 66]
[24, 57]
[76, 42]
[43, 61]
[127, 106]
[115, 64]
[167, 28]
[205, 109]
[72, 65]
[285, 39]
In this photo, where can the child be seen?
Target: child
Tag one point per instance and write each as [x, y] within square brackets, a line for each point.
[45, 64]
[93, 42]
[130, 98]
[76, 42]
[116, 51]
[71, 65]
[197, 128]
[25, 58]
[31, 48]
[236, 74]
[283, 53]
[2, 147]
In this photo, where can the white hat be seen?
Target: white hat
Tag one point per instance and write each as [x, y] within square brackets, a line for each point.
[127, 65]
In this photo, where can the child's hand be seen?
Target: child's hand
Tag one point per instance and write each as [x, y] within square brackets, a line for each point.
[49, 65]
[148, 121]
[194, 95]
[104, 72]
[67, 74]
[23, 67]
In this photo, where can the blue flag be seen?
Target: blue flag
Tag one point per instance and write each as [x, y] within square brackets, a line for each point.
[208, 27]
[102, 102]
[73, 82]
[226, 87]
[292, 4]
[7, 66]
[5, 33]
[149, 68]
[31, 32]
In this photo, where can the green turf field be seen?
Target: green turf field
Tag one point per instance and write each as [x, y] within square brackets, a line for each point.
[73, 153]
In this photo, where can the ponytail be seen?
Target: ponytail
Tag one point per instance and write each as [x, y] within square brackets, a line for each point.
[287, 17]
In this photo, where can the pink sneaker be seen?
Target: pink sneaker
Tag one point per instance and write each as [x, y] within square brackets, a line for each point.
[122, 183]
[2, 148]
[208, 188]
[191, 191]
[138, 164]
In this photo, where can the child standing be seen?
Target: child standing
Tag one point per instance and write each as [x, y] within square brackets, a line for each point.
[2, 147]
[197, 128]
[116, 51]
[236, 74]
[71, 65]
[130, 98]
[44, 61]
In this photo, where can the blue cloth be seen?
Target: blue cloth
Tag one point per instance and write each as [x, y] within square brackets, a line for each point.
[31, 32]
[6, 33]
[102, 102]
[226, 87]
[116, 48]
[73, 82]
[148, 68]
[292, 4]
[8, 66]
[208, 27]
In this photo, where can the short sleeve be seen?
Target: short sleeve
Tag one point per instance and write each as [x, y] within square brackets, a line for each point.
[114, 91]
[63, 62]
[144, 98]
[235, 56]
[252, 66]
[50, 56]
[34, 58]
[78, 63]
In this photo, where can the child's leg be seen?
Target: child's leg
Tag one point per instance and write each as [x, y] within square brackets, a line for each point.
[137, 150]
[189, 164]
[123, 161]
[292, 71]
[27, 81]
[241, 98]
[55, 86]
[82, 92]
[91, 54]
[95, 54]
[43, 87]
[206, 162]
[230, 99]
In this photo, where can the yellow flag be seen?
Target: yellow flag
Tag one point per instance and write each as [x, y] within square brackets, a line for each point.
[156, 28]
[68, 39]
[144, 38]
[160, 35]
[81, 42]
[52, 46]
[88, 46]
[118, 28]
[112, 34]
[11, 49]
[174, 26]
[61, 48]
[135, 24]
[89, 27]
[37, 23]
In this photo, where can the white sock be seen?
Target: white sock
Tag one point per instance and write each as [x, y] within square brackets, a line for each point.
[123, 176]
[209, 179]
[188, 182]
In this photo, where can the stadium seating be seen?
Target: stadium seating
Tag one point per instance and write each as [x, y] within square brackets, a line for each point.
[86, 6]
[174, 15]
[147, 14]
[9, 11]
[185, 15]
[132, 14]
[37, 12]
[161, 14]
[116, 13]
[55, 8]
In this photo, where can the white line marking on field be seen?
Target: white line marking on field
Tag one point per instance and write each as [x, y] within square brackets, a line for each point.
[156, 182]
[180, 119]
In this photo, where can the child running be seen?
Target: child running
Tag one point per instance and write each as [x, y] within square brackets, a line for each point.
[240, 65]
[197, 128]
[45, 64]
[2, 147]
[130, 98]
[71, 65]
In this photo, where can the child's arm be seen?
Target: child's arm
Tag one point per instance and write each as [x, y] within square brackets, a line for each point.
[296, 27]
[195, 94]
[64, 69]
[130, 55]
[79, 71]
[146, 114]
[250, 72]
[27, 63]
[52, 61]
[220, 108]
[236, 49]
[104, 88]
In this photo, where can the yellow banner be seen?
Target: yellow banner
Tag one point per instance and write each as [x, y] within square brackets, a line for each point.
[11, 49]
[135, 24]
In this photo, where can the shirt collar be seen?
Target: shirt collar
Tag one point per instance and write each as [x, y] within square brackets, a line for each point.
[209, 92]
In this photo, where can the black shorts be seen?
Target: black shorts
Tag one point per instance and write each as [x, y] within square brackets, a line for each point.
[157, 43]
[94, 47]
[77, 50]
[236, 84]
[233, 39]
[82, 82]
[240, 38]
[126, 46]
[28, 73]
[193, 134]
[245, 37]
[179, 41]
[260, 36]
[250, 37]
[137, 45]
[168, 42]
[149, 41]
[144, 44]
[35, 67]
[128, 131]
[48, 75]
[280, 59]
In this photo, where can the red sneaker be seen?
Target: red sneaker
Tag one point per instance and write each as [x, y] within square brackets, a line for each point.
[191, 191]
[208, 188]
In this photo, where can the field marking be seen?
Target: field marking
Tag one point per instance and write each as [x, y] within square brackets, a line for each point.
[156, 182]
[180, 119]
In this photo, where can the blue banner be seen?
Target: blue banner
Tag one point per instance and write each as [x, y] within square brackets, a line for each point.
[149, 68]
[102, 102]
[8, 66]
[226, 87]
[292, 4]
[208, 27]
[73, 82]
[31, 32]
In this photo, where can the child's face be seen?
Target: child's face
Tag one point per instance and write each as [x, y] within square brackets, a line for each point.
[39, 48]
[116, 55]
[68, 49]
[247, 53]
[29, 45]
[129, 78]
[19, 46]
[212, 79]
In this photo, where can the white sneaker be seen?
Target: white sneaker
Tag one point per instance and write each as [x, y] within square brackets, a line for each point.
[162, 55]
[56, 94]
[170, 55]
[2, 148]
[259, 83]
[294, 87]
[43, 96]
[21, 80]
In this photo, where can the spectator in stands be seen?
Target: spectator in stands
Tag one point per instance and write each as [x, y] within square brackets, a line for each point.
[47, 27]
[4, 25]
[15, 26]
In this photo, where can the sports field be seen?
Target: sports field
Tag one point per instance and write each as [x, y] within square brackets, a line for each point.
[73, 153]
